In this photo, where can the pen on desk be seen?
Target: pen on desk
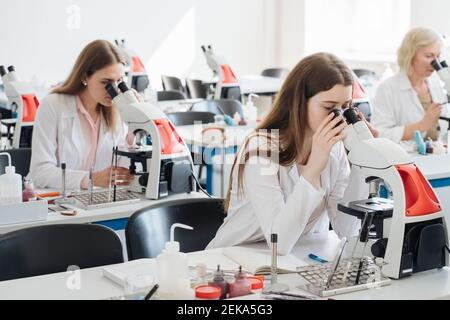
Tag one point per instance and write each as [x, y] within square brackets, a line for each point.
[151, 292]
[316, 258]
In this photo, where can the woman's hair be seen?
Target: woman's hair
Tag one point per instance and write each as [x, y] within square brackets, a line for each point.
[95, 56]
[313, 74]
[415, 39]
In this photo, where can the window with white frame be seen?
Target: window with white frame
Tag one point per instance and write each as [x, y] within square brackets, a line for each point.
[356, 29]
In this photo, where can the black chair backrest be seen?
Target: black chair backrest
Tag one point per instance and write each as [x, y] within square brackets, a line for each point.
[170, 95]
[275, 72]
[148, 229]
[53, 248]
[172, 84]
[229, 107]
[20, 158]
[364, 73]
[190, 117]
[364, 107]
[196, 89]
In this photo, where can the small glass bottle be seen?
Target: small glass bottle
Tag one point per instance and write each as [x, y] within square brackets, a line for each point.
[219, 281]
[241, 285]
[28, 193]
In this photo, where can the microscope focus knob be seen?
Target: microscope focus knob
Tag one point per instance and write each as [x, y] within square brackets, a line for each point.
[379, 248]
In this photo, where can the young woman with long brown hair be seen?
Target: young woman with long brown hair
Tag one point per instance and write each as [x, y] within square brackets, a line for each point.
[289, 175]
[76, 124]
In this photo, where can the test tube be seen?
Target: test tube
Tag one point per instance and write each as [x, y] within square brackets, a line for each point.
[274, 287]
[63, 176]
[273, 268]
[91, 185]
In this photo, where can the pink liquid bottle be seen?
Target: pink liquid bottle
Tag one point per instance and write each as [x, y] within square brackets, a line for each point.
[241, 285]
[28, 193]
[219, 281]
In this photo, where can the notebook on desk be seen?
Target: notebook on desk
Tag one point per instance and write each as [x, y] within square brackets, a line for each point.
[258, 261]
[135, 268]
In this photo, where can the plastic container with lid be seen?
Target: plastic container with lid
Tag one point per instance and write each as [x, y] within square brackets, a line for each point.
[241, 285]
[208, 292]
[10, 184]
[256, 282]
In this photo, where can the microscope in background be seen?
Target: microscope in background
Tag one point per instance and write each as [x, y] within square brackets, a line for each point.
[167, 166]
[227, 86]
[411, 229]
[24, 103]
[135, 69]
[443, 72]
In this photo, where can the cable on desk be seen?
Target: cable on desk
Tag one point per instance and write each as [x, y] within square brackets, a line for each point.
[198, 184]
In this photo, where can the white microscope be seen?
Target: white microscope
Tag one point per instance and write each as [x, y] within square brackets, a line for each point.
[411, 228]
[443, 72]
[136, 74]
[23, 101]
[227, 86]
[167, 166]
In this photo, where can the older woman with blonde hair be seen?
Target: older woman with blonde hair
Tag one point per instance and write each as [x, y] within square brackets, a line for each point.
[412, 99]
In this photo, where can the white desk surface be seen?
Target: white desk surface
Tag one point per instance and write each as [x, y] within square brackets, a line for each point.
[176, 105]
[259, 84]
[103, 214]
[432, 166]
[433, 284]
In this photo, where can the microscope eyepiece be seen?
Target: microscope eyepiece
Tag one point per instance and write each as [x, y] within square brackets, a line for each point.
[444, 64]
[351, 116]
[11, 69]
[111, 90]
[336, 113]
[2, 71]
[123, 87]
[436, 65]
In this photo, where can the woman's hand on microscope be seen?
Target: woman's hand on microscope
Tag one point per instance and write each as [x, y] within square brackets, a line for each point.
[137, 95]
[372, 129]
[431, 116]
[118, 175]
[326, 136]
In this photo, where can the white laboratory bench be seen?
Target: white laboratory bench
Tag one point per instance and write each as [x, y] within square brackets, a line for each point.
[433, 284]
[114, 217]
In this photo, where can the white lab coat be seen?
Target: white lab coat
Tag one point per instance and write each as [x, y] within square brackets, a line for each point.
[57, 138]
[280, 201]
[396, 105]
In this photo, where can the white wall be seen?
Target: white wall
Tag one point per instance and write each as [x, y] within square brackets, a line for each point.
[41, 37]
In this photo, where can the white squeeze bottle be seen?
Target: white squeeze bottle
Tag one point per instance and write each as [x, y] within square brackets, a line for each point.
[173, 270]
[10, 184]
[251, 110]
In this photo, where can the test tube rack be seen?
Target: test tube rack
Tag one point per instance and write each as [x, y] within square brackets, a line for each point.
[345, 279]
[103, 199]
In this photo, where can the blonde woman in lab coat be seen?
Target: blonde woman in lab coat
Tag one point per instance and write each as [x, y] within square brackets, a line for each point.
[76, 124]
[411, 100]
[290, 174]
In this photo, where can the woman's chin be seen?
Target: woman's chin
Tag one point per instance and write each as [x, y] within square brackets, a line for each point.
[106, 102]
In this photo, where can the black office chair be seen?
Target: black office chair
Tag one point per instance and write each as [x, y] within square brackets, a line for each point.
[148, 229]
[228, 106]
[53, 248]
[365, 108]
[275, 72]
[173, 84]
[364, 73]
[170, 95]
[196, 89]
[190, 117]
[20, 158]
